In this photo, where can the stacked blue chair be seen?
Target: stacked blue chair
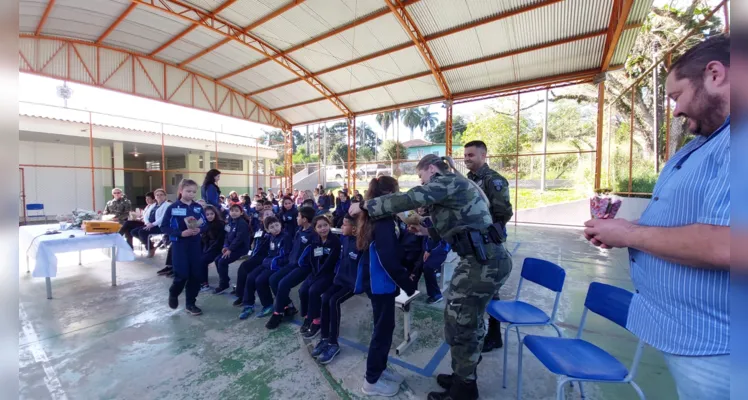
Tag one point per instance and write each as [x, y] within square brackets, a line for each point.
[579, 360]
[516, 313]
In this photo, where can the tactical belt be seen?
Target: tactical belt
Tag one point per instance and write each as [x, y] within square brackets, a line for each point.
[473, 242]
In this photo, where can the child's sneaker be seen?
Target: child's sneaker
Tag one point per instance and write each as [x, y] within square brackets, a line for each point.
[330, 352]
[194, 310]
[382, 387]
[274, 321]
[313, 331]
[435, 299]
[290, 311]
[305, 326]
[392, 376]
[164, 271]
[233, 290]
[173, 302]
[265, 312]
[238, 302]
[205, 287]
[320, 348]
[246, 312]
[220, 289]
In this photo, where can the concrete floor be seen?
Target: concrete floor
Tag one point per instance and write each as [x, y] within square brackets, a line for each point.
[94, 341]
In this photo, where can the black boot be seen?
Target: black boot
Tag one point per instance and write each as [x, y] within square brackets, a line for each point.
[493, 337]
[446, 380]
[460, 390]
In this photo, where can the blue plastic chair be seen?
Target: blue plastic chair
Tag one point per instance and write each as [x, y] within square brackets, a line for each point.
[39, 208]
[579, 360]
[517, 313]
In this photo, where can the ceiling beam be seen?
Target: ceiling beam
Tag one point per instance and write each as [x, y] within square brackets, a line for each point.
[226, 4]
[44, 17]
[204, 52]
[273, 14]
[406, 45]
[116, 22]
[412, 30]
[330, 33]
[225, 28]
[618, 17]
[455, 66]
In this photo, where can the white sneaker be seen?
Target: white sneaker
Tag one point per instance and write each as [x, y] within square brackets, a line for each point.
[392, 376]
[381, 388]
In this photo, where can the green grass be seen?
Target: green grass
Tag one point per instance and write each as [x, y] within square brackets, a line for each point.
[533, 198]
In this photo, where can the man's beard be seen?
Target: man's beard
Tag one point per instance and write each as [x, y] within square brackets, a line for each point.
[707, 112]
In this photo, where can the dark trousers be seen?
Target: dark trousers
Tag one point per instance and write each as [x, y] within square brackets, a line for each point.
[169, 257]
[207, 258]
[187, 270]
[127, 228]
[429, 275]
[258, 280]
[282, 281]
[310, 295]
[331, 301]
[222, 265]
[383, 307]
[143, 233]
[241, 275]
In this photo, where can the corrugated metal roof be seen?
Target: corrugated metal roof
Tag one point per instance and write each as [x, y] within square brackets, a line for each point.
[30, 13]
[368, 100]
[83, 19]
[479, 76]
[571, 57]
[294, 93]
[414, 89]
[144, 30]
[639, 11]
[624, 46]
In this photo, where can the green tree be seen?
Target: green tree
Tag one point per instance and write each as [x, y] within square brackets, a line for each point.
[385, 120]
[366, 137]
[412, 119]
[439, 133]
[392, 151]
[499, 131]
[428, 119]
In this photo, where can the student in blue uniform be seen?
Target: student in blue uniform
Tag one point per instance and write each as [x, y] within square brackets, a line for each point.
[323, 202]
[212, 241]
[322, 256]
[235, 246]
[186, 249]
[381, 275]
[287, 216]
[279, 246]
[341, 209]
[260, 247]
[290, 276]
[342, 289]
[434, 254]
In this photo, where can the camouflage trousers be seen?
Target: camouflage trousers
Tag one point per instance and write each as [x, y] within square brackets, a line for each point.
[505, 268]
[471, 288]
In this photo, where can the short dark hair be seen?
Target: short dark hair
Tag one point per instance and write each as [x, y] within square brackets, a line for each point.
[692, 63]
[320, 218]
[307, 213]
[269, 221]
[151, 195]
[350, 218]
[307, 201]
[477, 143]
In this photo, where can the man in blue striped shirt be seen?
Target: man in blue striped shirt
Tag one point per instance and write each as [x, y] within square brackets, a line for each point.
[680, 247]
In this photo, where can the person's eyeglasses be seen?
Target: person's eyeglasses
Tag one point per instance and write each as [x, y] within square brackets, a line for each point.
[117, 192]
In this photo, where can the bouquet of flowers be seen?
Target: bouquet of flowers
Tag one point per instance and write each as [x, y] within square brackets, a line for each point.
[193, 223]
[83, 215]
[603, 205]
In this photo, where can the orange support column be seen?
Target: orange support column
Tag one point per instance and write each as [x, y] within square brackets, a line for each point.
[599, 145]
[448, 134]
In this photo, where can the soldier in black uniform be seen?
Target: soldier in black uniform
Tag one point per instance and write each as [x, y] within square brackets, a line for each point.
[496, 188]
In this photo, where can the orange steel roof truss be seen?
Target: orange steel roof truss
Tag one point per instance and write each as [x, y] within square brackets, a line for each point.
[222, 98]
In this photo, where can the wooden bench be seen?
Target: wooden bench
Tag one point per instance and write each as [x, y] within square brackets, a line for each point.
[403, 303]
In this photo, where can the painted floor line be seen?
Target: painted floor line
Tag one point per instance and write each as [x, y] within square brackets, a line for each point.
[51, 380]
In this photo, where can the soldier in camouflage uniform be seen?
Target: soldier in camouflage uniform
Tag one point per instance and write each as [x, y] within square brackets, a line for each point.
[496, 189]
[460, 215]
[119, 206]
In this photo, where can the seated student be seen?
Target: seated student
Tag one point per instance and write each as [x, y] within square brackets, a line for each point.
[320, 258]
[154, 218]
[434, 254]
[212, 241]
[341, 209]
[380, 275]
[259, 248]
[279, 246]
[323, 202]
[235, 246]
[287, 216]
[287, 278]
[341, 290]
[132, 224]
[412, 246]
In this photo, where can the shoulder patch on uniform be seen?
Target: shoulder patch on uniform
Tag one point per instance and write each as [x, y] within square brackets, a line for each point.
[498, 184]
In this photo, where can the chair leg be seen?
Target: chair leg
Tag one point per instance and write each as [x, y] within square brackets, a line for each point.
[638, 390]
[519, 371]
[558, 331]
[581, 389]
[516, 329]
[560, 389]
[506, 346]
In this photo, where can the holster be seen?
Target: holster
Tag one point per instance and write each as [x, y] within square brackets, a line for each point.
[497, 232]
[471, 242]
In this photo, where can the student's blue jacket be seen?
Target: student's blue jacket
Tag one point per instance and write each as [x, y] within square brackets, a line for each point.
[301, 240]
[214, 237]
[320, 258]
[437, 252]
[238, 236]
[342, 208]
[279, 248]
[173, 222]
[288, 220]
[380, 269]
[347, 271]
[211, 193]
[324, 202]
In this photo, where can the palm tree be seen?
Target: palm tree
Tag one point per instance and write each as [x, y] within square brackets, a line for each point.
[428, 119]
[385, 120]
[412, 119]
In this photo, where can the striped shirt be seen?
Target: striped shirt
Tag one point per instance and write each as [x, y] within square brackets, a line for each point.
[679, 309]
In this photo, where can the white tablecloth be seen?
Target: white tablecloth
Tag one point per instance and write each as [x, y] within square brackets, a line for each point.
[42, 248]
